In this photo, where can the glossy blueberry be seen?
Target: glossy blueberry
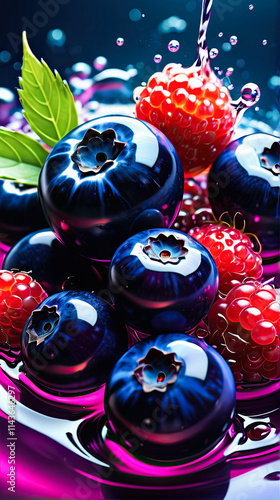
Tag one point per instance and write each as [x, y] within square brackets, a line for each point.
[72, 341]
[105, 180]
[20, 211]
[162, 281]
[246, 178]
[53, 265]
[173, 395]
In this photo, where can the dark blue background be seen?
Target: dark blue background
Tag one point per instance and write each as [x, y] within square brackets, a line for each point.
[92, 27]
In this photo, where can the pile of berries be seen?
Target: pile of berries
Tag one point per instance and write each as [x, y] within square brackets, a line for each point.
[245, 328]
[232, 251]
[192, 109]
[19, 296]
[195, 209]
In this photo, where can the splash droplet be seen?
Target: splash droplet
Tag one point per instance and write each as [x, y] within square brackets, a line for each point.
[229, 71]
[220, 34]
[120, 41]
[173, 46]
[99, 63]
[157, 58]
[264, 42]
[233, 40]
[250, 94]
[251, 6]
[213, 53]
[230, 87]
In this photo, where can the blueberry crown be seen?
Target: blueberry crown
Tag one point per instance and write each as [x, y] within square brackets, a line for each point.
[157, 370]
[166, 249]
[97, 151]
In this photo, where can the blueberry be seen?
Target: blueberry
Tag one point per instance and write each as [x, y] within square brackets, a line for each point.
[107, 178]
[52, 264]
[170, 397]
[162, 281]
[246, 178]
[71, 342]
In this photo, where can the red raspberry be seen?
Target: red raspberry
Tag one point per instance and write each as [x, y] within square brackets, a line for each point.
[232, 251]
[245, 328]
[195, 209]
[192, 109]
[19, 296]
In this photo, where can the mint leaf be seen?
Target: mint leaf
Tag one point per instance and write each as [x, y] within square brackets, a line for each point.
[21, 157]
[48, 104]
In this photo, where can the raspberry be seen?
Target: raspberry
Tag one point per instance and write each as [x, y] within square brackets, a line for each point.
[242, 333]
[192, 109]
[19, 296]
[233, 253]
[195, 209]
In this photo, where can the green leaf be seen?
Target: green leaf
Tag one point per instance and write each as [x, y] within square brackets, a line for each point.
[21, 157]
[48, 104]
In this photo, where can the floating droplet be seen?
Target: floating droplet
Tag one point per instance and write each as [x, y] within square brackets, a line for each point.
[250, 94]
[233, 40]
[99, 63]
[213, 53]
[251, 6]
[135, 15]
[5, 56]
[173, 46]
[229, 71]
[157, 58]
[220, 72]
[257, 108]
[220, 34]
[56, 38]
[120, 41]
[226, 46]
[259, 431]
[230, 87]
[264, 42]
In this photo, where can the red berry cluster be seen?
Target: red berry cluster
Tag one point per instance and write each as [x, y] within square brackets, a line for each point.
[245, 329]
[195, 209]
[19, 296]
[193, 110]
[232, 251]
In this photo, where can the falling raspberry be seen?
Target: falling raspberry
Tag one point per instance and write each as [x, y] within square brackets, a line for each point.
[245, 328]
[232, 251]
[193, 109]
[195, 209]
[19, 296]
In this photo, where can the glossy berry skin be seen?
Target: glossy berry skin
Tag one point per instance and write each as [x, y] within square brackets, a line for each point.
[93, 207]
[195, 209]
[20, 211]
[174, 395]
[232, 251]
[192, 109]
[19, 295]
[245, 327]
[71, 343]
[162, 281]
[245, 178]
[52, 264]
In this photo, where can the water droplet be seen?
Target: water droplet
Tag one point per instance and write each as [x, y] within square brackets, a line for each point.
[226, 46]
[143, 15]
[259, 431]
[173, 46]
[220, 72]
[220, 34]
[120, 41]
[230, 87]
[135, 15]
[250, 94]
[257, 108]
[99, 63]
[56, 38]
[213, 53]
[264, 42]
[251, 6]
[157, 58]
[233, 40]
[229, 71]
[5, 56]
